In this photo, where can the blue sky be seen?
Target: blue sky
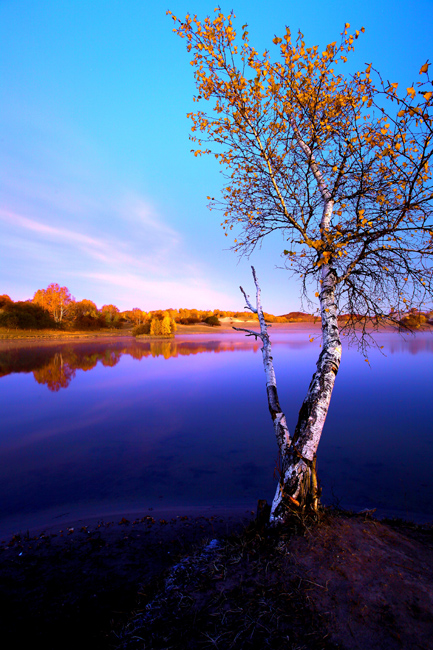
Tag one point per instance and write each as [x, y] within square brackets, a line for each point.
[99, 190]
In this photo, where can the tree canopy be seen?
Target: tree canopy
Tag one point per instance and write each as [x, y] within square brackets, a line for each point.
[340, 164]
[55, 299]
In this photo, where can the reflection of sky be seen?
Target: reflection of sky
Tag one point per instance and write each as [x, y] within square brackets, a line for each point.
[195, 429]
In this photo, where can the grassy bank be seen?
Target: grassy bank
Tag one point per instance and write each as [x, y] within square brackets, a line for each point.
[347, 582]
[60, 335]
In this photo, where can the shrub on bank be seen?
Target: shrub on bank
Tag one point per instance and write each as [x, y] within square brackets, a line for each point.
[161, 326]
[413, 320]
[144, 328]
[212, 320]
[191, 320]
[25, 315]
[87, 322]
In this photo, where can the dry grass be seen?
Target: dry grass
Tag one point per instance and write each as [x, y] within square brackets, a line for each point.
[58, 335]
[244, 592]
[340, 581]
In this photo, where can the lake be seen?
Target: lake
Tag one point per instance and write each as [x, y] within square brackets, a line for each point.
[124, 425]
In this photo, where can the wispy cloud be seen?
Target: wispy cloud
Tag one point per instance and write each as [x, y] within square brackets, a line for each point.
[56, 234]
[184, 291]
[145, 243]
[67, 216]
[145, 264]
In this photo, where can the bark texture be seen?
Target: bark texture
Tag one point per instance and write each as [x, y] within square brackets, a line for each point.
[297, 485]
[282, 435]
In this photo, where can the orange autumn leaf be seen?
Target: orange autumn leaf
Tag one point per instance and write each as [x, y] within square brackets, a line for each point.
[411, 92]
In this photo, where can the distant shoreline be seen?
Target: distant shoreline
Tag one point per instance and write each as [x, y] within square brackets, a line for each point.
[58, 336]
[42, 337]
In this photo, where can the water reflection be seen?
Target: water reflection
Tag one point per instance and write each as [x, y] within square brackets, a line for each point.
[56, 374]
[409, 343]
[162, 422]
[56, 366]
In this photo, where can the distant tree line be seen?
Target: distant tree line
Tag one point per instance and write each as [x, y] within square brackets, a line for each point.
[55, 308]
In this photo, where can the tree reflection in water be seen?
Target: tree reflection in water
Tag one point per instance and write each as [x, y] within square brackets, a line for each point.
[57, 374]
[55, 366]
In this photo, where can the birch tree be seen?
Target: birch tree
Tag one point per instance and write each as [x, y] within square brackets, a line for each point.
[55, 299]
[298, 476]
[340, 166]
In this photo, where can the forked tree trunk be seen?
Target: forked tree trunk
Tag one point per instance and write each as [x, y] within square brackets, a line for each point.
[297, 486]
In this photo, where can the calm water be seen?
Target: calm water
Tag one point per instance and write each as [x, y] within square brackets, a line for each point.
[94, 428]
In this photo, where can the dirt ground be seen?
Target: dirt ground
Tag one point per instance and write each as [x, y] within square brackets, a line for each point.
[349, 582]
[371, 583]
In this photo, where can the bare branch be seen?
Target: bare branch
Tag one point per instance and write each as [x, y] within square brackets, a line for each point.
[247, 300]
[249, 332]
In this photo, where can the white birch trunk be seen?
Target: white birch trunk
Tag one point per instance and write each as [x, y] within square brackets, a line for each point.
[279, 419]
[298, 480]
[298, 484]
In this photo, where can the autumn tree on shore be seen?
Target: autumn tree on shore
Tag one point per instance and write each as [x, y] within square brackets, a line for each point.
[110, 313]
[55, 299]
[340, 165]
[137, 316]
[162, 325]
[5, 300]
[83, 308]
